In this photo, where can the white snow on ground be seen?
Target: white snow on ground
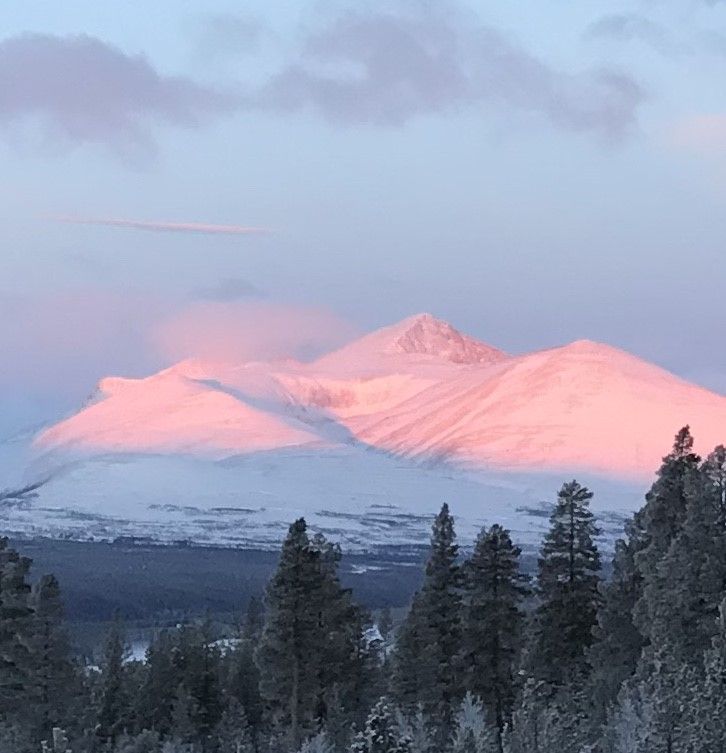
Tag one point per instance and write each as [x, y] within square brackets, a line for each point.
[362, 499]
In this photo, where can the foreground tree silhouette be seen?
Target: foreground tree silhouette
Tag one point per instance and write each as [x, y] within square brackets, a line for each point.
[493, 623]
[426, 666]
[16, 614]
[309, 651]
[567, 585]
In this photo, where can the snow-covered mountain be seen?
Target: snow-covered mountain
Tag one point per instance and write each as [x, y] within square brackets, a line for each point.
[366, 441]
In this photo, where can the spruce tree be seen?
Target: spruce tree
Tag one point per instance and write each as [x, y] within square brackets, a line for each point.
[617, 642]
[15, 632]
[114, 704]
[705, 717]
[683, 595]
[426, 669]
[157, 694]
[254, 619]
[309, 651]
[233, 733]
[493, 623]
[204, 683]
[567, 586]
[242, 683]
[472, 731]
[381, 733]
[663, 516]
[664, 691]
[53, 676]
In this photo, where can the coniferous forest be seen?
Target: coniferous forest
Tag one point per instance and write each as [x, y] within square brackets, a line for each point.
[487, 659]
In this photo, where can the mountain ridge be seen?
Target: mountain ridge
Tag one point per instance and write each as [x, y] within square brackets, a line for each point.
[419, 389]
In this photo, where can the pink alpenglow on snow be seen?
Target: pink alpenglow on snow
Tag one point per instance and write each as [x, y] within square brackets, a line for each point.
[418, 389]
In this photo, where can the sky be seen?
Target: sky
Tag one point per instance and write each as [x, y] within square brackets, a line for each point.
[268, 179]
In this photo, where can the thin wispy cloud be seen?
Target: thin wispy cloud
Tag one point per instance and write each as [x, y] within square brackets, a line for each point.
[203, 228]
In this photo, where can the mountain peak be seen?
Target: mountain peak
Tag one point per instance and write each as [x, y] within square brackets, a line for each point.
[424, 334]
[420, 335]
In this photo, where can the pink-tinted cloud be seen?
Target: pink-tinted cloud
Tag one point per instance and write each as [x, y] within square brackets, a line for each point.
[61, 344]
[86, 91]
[239, 332]
[203, 228]
[387, 66]
[705, 134]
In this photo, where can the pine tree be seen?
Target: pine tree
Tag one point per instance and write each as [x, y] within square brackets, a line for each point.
[254, 619]
[567, 584]
[493, 623]
[663, 516]
[318, 744]
[204, 683]
[618, 643]
[114, 703]
[625, 729]
[425, 660]
[681, 596]
[472, 733]
[183, 715]
[309, 650]
[53, 676]
[156, 696]
[381, 733]
[663, 691]
[15, 630]
[242, 681]
[705, 716]
[233, 734]
[550, 720]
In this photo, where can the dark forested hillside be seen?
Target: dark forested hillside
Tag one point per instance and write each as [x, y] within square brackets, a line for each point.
[487, 658]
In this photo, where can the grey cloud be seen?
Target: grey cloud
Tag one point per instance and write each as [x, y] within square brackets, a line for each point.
[226, 35]
[231, 289]
[86, 91]
[631, 26]
[385, 68]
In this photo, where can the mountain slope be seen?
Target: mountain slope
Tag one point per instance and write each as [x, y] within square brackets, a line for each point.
[365, 442]
[415, 389]
[584, 406]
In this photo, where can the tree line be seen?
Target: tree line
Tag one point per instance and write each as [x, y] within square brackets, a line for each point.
[487, 659]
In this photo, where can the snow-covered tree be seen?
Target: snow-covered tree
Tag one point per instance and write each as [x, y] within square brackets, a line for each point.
[381, 733]
[472, 732]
